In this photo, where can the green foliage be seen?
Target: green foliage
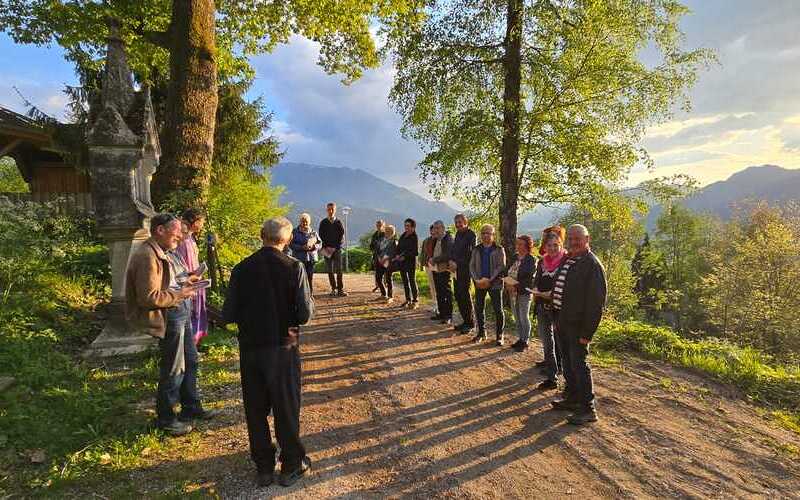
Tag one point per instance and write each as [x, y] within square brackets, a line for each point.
[586, 96]
[359, 260]
[35, 239]
[680, 237]
[753, 371]
[750, 293]
[649, 269]
[10, 179]
[243, 29]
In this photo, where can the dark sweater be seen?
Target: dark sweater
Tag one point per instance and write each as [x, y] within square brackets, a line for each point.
[584, 297]
[544, 281]
[525, 273]
[267, 294]
[463, 245]
[332, 233]
[408, 248]
[375, 241]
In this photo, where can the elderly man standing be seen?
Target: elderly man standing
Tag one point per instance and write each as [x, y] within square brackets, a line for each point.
[269, 298]
[579, 296]
[439, 263]
[331, 231]
[460, 255]
[159, 305]
[486, 268]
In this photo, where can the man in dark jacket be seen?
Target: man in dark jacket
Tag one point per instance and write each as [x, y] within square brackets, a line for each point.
[374, 245]
[331, 231]
[579, 296]
[461, 254]
[269, 298]
[440, 262]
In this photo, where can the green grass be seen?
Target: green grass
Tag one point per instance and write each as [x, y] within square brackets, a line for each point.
[90, 419]
[762, 380]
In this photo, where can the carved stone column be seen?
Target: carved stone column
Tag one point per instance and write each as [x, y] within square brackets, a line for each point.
[123, 154]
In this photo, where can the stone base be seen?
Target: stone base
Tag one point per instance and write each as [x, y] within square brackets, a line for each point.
[114, 342]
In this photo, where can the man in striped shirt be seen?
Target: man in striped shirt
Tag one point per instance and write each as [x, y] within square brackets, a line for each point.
[579, 296]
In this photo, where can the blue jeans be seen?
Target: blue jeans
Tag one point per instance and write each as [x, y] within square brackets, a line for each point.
[174, 386]
[522, 311]
[544, 321]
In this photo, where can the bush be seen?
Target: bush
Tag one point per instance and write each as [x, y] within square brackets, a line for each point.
[360, 261]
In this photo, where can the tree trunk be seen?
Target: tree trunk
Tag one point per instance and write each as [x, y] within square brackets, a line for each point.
[509, 169]
[188, 138]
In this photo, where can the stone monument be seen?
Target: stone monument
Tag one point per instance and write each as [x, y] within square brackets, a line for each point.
[123, 155]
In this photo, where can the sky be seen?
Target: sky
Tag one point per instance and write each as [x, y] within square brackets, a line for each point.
[745, 110]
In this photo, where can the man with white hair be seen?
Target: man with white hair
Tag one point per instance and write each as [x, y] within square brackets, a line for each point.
[269, 298]
[579, 296]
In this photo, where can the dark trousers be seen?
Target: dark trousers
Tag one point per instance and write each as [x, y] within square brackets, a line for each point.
[409, 277]
[334, 267]
[309, 265]
[376, 266]
[384, 277]
[444, 295]
[464, 301]
[577, 372]
[271, 382]
[550, 344]
[497, 306]
[175, 385]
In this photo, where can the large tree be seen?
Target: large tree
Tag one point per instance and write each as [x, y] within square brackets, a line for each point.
[521, 103]
[191, 40]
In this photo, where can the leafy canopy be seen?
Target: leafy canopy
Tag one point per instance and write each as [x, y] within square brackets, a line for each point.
[587, 95]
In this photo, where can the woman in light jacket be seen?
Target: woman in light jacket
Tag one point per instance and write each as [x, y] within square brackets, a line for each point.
[387, 251]
[304, 245]
[521, 273]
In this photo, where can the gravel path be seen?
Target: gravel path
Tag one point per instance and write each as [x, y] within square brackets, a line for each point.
[395, 405]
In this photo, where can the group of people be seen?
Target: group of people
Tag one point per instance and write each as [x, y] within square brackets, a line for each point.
[269, 297]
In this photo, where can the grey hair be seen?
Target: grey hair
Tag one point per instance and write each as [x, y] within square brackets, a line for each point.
[579, 228]
[276, 230]
[438, 223]
[305, 216]
[487, 227]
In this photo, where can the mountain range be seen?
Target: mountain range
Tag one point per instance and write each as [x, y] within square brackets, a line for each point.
[770, 183]
[308, 188]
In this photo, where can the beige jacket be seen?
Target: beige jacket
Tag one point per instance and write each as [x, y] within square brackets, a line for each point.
[147, 294]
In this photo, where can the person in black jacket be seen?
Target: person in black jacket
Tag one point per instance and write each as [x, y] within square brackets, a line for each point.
[406, 258]
[579, 296]
[331, 231]
[374, 243]
[521, 274]
[269, 298]
[387, 251]
[461, 254]
[440, 262]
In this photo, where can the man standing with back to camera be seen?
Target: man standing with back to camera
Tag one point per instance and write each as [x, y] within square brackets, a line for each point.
[269, 298]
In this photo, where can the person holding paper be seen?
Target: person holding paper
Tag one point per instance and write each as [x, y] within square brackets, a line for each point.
[331, 231]
[486, 268]
[518, 283]
[157, 304]
[269, 298]
[193, 221]
[425, 255]
[553, 254]
[440, 263]
[304, 245]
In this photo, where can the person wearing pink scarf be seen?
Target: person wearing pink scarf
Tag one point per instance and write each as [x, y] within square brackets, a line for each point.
[193, 222]
[553, 254]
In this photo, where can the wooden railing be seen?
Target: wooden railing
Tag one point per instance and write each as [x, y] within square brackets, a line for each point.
[65, 202]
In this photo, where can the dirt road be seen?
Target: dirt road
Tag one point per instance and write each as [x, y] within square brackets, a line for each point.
[395, 405]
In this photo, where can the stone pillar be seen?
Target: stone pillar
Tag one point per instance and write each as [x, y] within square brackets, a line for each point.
[123, 154]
